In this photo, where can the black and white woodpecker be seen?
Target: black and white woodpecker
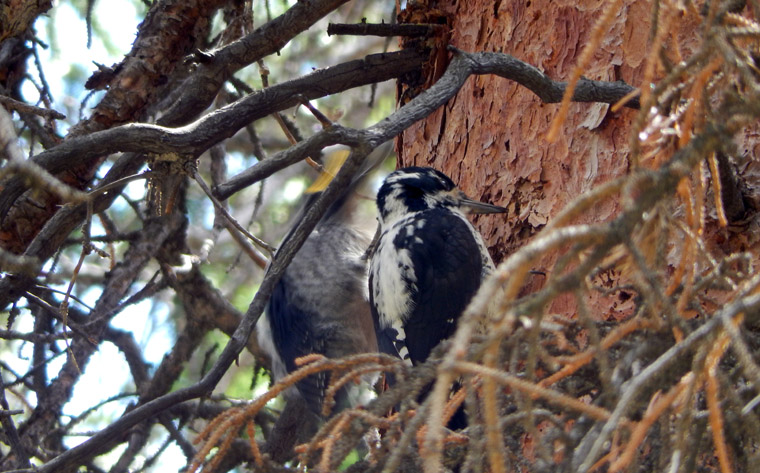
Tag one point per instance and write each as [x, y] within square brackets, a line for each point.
[321, 303]
[428, 263]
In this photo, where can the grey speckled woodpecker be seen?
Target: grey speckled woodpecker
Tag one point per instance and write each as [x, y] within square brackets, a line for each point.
[320, 305]
[428, 263]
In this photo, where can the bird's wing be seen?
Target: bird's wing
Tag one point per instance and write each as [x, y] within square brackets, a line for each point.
[391, 339]
[294, 336]
[448, 268]
[385, 336]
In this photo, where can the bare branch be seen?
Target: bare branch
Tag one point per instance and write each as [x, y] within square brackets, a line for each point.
[383, 29]
[26, 108]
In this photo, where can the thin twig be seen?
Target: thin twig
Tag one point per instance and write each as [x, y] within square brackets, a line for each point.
[262, 244]
[48, 113]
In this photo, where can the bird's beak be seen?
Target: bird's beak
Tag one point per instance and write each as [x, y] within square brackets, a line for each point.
[476, 207]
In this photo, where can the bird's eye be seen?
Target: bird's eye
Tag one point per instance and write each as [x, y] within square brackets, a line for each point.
[414, 192]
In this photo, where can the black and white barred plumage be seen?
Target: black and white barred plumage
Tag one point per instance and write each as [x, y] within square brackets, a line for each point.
[428, 262]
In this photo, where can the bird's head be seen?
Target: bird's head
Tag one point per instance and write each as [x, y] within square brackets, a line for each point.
[415, 189]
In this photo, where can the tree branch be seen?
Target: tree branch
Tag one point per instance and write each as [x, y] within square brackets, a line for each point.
[201, 88]
[196, 138]
[383, 29]
[119, 281]
[48, 113]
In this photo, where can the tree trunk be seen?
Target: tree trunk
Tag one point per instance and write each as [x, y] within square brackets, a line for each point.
[492, 137]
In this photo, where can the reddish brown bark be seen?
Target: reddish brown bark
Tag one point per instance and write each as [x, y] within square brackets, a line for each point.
[16, 16]
[491, 138]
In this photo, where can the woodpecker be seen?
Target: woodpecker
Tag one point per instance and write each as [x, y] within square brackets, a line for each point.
[321, 303]
[428, 263]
